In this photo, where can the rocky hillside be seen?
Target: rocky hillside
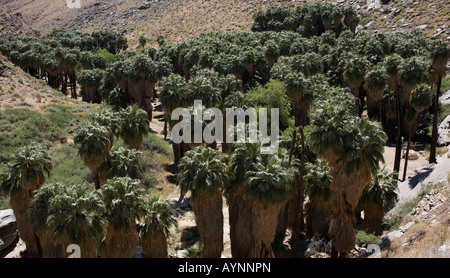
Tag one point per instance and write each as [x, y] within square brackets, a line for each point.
[12, 23]
[181, 19]
[20, 90]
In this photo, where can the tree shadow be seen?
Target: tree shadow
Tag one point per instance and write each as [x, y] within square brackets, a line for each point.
[158, 108]
[181, 206]
[189, 237]
[4, 252]
[173, 169]
[414, 181]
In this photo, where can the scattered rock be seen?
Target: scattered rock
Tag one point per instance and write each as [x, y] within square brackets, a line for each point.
[445, 98]
[386, 241]
[422, 27]
[430, 202]
[405, 227]
[8, 229]
[144, 6]
[373, 4]
[318, 249]
[444, 248]
[413, 155]
[444, 132]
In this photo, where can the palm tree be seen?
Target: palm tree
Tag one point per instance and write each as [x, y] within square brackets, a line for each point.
[391, 64]
[172, 95]
[317, 188]
[142, 81]
[203, 88]
[24, 174]
[352, 147]
[411, 72]
[354, 73]
[121, 162]
[375, 82]
[70, 214]
[94, 145]
[351, 19]
[300, 96]
[33, 162]
[157, 221]
[420, 100]
[70, 61]
[39, 211]
[271, 52]
[270, 185]
[123, 202]
[204, 173]
[440, 53]
[242, 159]
[378, 195]
[108, 119]
[135, 125]
[142, 41]
[90, 83]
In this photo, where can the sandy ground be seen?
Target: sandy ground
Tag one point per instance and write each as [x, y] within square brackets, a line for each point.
[389, 154]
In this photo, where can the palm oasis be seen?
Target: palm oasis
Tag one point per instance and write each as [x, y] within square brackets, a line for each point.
[342, 97]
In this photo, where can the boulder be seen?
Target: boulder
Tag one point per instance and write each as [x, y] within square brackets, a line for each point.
[8, 229]
[425, 168]
[444, 132]
[412, 155]
[422, 27]
[445, 98]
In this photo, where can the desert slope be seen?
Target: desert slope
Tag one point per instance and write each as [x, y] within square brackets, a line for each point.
[181, 19]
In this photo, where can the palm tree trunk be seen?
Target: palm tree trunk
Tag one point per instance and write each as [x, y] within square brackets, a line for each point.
[165, 128]
[291, 152]
[373, 219]
[318, 212]
[240, 223]
[225, 145]
[435, 123]
[398, 144]
[19, 203]
[96, 175]
[176, 152]
[155, 246]
[299, 223]
[50, 248]
[209, 218]
[263, 230]
[380, 111]
[357, 101]
[346, 191]
[120, 244]
[408, 145]
[64, 84]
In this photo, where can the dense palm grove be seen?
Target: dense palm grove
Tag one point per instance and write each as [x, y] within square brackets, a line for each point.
[341, 98]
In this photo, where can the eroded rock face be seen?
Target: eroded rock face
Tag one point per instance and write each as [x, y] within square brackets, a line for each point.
[8, 229]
